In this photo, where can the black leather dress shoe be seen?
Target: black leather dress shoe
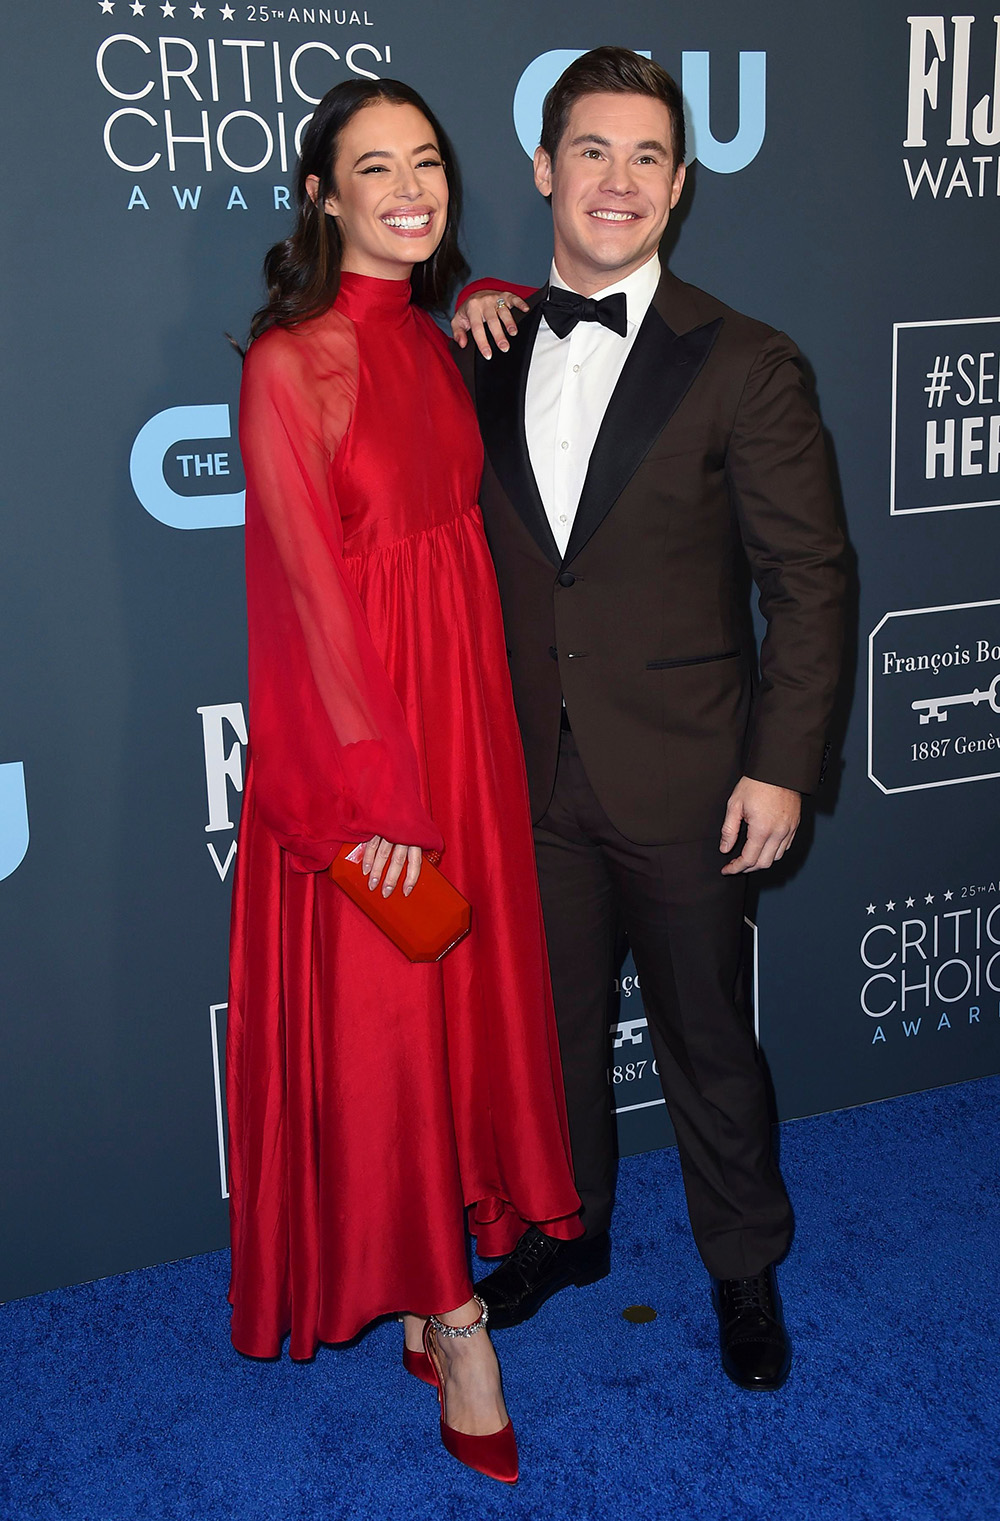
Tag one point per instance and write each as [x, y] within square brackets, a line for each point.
[538, 1267]
[756, 1353]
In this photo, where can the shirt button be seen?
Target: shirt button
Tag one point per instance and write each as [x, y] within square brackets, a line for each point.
[562, 517]
[564, 444]
[576, 369]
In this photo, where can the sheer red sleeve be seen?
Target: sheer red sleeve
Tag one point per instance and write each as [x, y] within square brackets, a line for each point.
[524, 291]
[333, 759]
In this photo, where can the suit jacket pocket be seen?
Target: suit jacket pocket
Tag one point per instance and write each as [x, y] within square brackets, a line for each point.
[667, 665]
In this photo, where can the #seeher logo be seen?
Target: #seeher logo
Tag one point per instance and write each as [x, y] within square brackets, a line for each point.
[184, 466]
[13, 818]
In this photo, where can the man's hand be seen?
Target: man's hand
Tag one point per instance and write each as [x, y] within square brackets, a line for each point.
[481, 315]
[772, 816]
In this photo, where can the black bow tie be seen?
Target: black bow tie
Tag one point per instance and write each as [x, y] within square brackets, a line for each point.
[563, 309]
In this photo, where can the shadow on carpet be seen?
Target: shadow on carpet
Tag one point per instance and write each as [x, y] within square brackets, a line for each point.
[125, 1402]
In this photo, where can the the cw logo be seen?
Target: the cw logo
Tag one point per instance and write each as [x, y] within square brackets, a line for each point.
[725, 158]
[154, 442]
[13, 818]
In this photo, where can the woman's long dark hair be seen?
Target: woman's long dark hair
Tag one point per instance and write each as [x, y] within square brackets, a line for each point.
[303, 271]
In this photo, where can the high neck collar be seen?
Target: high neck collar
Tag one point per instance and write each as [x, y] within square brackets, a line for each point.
[365, 298]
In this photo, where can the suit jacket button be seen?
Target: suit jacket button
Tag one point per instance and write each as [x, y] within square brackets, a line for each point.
[566, 578]
[553, 652]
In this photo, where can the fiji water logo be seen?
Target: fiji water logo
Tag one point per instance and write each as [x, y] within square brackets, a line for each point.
[224, 737]
[184, 467]
[953, 87]
[723, 157]
[13, 818]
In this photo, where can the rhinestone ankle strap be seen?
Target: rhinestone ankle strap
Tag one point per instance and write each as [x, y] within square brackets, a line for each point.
[470, 1330]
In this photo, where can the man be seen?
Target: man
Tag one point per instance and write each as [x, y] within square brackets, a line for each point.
[648, 450]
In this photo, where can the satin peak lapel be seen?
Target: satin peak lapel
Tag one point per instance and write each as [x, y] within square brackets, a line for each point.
[501, 383]
[657, 376]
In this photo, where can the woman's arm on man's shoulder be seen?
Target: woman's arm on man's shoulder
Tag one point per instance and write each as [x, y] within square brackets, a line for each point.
[484, 308]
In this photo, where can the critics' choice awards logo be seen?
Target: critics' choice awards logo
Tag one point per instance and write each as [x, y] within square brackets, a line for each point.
[232, 95]
[224, 738]
[953, 103]
[934, 697]
[931, 963]
[13, 818]
[945, 415]
[185, 468]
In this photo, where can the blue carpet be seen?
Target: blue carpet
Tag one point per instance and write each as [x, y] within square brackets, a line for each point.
[125, 1402]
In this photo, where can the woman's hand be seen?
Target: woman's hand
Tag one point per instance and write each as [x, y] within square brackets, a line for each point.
[381, 855]
[487, 309]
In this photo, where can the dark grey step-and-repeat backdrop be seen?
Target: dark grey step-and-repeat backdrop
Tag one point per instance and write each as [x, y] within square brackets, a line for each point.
[845, 187]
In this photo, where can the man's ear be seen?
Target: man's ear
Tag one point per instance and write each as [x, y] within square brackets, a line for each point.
[678, 185]
[543, 172]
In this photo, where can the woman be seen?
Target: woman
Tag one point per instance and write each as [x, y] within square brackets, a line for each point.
[372, 1100]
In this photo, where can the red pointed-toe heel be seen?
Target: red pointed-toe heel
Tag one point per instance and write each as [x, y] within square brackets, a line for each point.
[420, 1365]
[494, 1455]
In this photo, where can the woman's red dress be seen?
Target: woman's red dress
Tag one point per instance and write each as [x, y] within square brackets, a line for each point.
[370, 1099]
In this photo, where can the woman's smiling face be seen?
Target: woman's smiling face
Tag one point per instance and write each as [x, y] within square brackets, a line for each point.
[391, 196]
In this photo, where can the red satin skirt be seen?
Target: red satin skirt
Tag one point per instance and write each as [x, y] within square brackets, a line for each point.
[372, 1101]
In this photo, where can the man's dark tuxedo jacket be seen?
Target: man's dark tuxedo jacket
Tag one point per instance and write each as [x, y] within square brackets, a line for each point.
[710, 466]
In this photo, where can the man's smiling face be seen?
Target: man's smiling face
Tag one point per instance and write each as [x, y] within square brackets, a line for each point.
[613, 186]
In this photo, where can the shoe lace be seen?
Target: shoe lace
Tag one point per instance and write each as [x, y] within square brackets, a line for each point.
[749, 1295]
[532, 1249]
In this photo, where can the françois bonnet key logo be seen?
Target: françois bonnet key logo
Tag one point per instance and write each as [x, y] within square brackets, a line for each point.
[934, 697]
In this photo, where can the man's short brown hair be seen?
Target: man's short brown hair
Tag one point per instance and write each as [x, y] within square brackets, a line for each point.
[611, 71]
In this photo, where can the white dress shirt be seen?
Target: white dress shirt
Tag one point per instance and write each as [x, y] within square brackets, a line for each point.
[570, 381]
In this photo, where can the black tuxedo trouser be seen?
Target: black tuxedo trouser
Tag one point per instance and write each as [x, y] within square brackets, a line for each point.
[684, 922]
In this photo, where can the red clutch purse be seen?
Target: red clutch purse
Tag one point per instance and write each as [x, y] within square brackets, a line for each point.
[427, 924]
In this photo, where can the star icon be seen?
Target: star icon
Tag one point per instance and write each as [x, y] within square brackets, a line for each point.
[107, 6]
[198, 12]
[909, 902]
[226, 12]
[929, 898]
[871, 908]
[138, 9]
[890, 906]
[948, 896]
[167, 8]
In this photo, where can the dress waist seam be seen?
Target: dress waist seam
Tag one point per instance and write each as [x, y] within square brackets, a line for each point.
[409, 538]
